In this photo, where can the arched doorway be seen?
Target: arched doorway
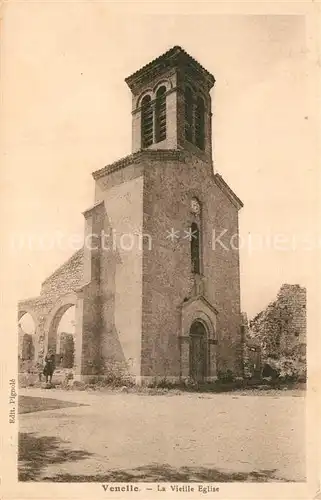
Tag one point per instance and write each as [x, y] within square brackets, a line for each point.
[26, 339]
[61, 335]
[198, 351]
[65, 338]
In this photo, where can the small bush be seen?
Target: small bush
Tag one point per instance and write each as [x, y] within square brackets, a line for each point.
[93, 380]
[287, 370]
[162, 383]
[116, 380]
[77, 384]
[69, 376]
[226, 376]
[113, 377]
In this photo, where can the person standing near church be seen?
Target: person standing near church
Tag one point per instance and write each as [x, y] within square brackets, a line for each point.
[49, 367]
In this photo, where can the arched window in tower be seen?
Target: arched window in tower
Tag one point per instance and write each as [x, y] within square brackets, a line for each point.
[188, 114]
[200, 123]
[160, 114]
[195, 248]
[147, 122]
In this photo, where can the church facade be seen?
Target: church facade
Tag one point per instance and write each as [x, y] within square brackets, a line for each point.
[157, 283]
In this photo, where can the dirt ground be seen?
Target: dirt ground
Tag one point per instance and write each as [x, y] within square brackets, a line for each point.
[79, 436]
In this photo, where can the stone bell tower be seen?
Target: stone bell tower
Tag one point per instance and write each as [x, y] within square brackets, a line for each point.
[171, 104]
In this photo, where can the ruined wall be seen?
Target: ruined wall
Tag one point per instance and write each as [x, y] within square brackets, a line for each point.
[66, 278]
[38, 307]
[63, 280]
[292, 299]
[281, 327]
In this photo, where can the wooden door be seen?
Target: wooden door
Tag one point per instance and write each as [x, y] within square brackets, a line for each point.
[197, 352]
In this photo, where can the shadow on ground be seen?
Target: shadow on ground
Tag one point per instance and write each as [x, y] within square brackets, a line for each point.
[166, 473]
[29, 404]
[37, 453]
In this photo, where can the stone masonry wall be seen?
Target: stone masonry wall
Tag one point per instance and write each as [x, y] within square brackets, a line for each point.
[169, 186]
[66, 278]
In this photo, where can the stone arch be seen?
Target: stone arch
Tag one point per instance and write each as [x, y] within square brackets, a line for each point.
[164, 82]
[204, 319]
[194, 194]
[54, 317]
[205, 346]
[31, 339]
[152, 91]
[146, 92]
[205, 97]
[199, 310]
[28, 310]
[201, 322]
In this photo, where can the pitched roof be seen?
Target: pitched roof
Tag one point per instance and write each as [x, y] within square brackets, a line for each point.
[228, 191]
[176, 56]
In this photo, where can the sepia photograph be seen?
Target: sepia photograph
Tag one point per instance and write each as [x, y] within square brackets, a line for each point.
[160, 209]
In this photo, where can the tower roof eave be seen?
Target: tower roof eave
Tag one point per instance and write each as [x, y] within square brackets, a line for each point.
[176, 56]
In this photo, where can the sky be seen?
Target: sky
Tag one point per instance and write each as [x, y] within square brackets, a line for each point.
[66, 112]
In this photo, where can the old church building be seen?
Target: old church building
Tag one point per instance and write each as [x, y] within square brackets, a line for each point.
[154, 292]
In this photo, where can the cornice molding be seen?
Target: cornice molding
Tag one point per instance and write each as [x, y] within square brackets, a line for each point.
[148, 154]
